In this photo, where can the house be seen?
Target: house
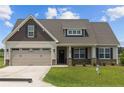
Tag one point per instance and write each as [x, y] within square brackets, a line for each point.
[60, 41]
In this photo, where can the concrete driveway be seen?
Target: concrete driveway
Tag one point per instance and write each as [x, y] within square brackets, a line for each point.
[35, 72]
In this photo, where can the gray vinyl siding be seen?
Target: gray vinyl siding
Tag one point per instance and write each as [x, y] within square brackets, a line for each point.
[39, 34]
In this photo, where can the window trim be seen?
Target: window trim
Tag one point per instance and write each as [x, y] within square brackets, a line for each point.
[31, 31]
[79, 52]
[72, 30]
[104, 52]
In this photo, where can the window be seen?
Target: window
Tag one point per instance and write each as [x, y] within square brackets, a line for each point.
[31, 31]
[70, 32]
[77, 32]
[104, 53]
[76, 53]
[107, 53]
[82, 53]
[101, 52]
[79, 53]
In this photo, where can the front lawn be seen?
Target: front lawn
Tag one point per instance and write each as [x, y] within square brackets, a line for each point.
[1, 62]
[86, 76]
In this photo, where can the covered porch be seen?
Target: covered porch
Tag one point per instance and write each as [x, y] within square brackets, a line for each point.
[70, 55]
[83, 55]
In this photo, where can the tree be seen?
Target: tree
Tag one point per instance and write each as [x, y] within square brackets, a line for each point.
[1, 50]
[122, 58]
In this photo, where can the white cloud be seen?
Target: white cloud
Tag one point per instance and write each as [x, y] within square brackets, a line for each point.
[52, 12]
[36, 14]
[61, 13]
[69, 15]
[62, 9]
[8, 24]
[103, 18]
[5, 15]
[115, 13]
[5, 12]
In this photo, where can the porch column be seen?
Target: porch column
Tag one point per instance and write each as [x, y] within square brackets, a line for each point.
[5, 56]
[70, 52]
[69, 56]
[115, 54]
[93, 56]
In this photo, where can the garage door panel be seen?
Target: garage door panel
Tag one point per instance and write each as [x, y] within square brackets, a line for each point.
[31, 57]
[27, 57]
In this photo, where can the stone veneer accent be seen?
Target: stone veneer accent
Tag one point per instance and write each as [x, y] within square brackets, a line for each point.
[7, 62]
[54, 62]
[81, 61]
[107, 61]
[69, 61]
[93, 61]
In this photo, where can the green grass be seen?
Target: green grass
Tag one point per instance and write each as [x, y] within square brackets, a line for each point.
[1, 62]
[111, 76]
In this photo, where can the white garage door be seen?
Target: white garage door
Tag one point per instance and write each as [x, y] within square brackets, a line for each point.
[27, 56]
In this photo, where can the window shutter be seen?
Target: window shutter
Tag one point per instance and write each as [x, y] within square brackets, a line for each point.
[26, 31]
[86, 34]
[111, 53]
[86, 53]
[35, 31]
[83, 33]
[65, 32]
[97, 53]
[72, 53]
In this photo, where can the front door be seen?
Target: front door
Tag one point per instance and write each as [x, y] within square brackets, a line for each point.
[62, 56]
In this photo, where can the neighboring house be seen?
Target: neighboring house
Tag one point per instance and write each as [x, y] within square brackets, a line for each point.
[60, 41]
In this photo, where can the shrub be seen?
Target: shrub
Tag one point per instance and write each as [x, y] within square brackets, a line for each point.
[84, 64]
[94, 64]
[122, 58]
[112, 64]
[73, 64]
[104, 64]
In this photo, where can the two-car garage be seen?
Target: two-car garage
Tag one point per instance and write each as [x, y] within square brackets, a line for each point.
[30, 53]
[30, 56]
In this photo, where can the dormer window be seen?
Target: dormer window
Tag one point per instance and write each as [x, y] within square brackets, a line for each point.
[75, 32]
[31, 31]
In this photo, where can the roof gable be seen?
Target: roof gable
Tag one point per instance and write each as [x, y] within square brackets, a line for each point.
[17, 27]
[22, 34]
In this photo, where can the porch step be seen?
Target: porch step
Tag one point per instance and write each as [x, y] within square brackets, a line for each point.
[59, 65]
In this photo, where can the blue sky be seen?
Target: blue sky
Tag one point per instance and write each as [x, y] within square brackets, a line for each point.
[114, 15]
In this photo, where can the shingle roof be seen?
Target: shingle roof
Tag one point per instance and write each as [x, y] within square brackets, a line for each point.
[99, 32]
[104, 33]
